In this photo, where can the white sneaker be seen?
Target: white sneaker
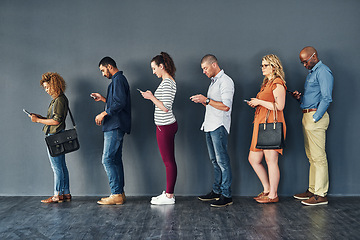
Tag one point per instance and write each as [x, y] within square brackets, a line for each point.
[163, 193]
[162, 200]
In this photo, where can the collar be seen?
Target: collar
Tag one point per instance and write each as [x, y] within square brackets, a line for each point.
[60, 95]
[219, 75]
[315, 67]
[117, 73]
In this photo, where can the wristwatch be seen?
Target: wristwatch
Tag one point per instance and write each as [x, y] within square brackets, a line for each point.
[207, 101]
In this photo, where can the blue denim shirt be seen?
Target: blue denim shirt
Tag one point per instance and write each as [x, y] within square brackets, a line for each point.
[118, 104]
[318, 89]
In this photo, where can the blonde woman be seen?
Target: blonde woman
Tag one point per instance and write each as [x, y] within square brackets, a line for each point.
[273, 90]
[54, 122]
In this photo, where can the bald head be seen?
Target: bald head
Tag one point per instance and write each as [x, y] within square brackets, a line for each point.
[309, 57]
[309, 50]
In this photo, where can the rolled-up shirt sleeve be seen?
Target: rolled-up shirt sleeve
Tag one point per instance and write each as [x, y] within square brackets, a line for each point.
[59, 110]
[227, 92]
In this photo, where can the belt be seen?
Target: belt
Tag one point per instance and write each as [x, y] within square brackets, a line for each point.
[309, 110]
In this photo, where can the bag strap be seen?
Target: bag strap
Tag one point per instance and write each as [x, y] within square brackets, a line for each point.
[72, 118]
[274, 112]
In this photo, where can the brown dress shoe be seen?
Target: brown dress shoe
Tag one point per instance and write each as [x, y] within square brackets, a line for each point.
[266, 199]
[304, 196]
[54, 199]
[113, 199]
[315, 200]
[67, 197]
[261, 195]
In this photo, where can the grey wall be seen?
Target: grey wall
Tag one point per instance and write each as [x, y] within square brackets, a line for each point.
[70, 37]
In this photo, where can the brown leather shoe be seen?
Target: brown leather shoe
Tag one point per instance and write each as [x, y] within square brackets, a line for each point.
[304, 196]
[113, 199]
[123, 194]
[54, 199]
[261, 195]
[67, 197]
[315, 200]
[266, 199]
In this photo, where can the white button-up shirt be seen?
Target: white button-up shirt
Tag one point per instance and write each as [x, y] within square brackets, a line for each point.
[222, 90]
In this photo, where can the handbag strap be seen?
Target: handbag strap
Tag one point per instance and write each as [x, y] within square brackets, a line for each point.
[274, 112]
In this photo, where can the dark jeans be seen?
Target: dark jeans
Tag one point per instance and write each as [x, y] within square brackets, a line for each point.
[217, 147]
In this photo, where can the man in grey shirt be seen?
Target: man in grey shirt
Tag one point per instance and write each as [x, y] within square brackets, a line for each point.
[216, 126]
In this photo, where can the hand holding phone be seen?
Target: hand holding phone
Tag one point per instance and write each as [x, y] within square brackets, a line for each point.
[295, 94]
[97, 97]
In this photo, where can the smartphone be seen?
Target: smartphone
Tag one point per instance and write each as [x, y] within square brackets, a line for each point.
[26, 112]
[293, 95]
[292, 92]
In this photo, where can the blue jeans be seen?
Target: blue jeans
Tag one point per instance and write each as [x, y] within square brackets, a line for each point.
[112, 160]
[217, 147]
[61, 174]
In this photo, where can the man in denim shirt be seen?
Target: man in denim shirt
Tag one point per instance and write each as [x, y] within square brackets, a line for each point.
[314, 104]
[216, 126]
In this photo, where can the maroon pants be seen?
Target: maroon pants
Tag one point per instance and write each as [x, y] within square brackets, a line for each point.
[165, 136]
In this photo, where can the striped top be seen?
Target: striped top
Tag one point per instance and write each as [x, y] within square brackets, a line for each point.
[166, 94]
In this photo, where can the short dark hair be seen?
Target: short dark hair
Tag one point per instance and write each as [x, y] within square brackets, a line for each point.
[106, 61]
[209, 58]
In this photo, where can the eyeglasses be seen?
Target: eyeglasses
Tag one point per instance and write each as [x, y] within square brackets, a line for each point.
[264, 65]
[305, 62]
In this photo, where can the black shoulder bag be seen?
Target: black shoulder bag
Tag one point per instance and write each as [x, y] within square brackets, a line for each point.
[63, 142]
[270, 135]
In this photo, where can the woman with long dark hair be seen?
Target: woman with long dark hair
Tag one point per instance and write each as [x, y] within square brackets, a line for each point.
[166, 126]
